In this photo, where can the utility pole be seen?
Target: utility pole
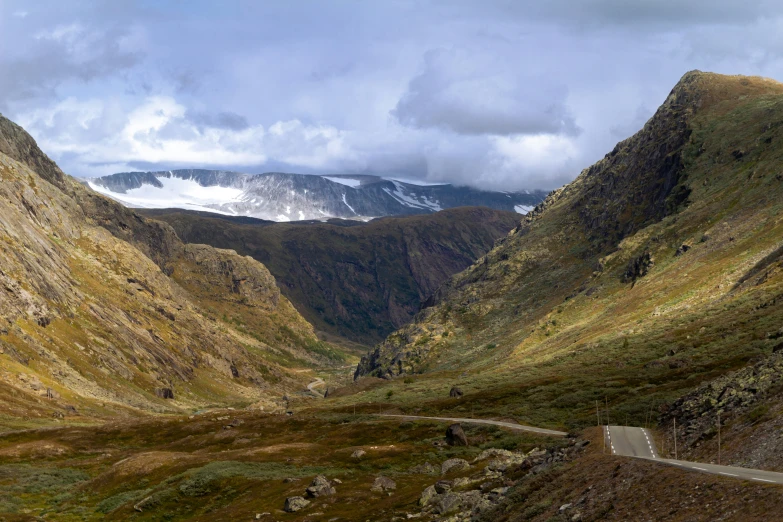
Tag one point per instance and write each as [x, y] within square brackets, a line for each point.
[597, 413]
[718, 438]
[675, 438]
[606, 401]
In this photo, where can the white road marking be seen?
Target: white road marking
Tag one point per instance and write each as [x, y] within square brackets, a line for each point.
[727, 474]
[700, 469]
[762, 480]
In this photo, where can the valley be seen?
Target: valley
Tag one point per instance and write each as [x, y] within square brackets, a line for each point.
[356, 281]
[167, 364]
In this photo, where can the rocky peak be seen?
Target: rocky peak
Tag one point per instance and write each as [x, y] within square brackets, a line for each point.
[16, 143]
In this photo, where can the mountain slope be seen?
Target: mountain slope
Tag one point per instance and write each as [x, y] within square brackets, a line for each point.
[107, 311]
[653, 271]
[356, 280]
[296, 197]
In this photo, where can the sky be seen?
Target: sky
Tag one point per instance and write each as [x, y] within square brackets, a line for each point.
[496, 94]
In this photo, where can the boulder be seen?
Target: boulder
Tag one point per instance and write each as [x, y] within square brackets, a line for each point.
[454, 465]
[453, 502]
[455, 392]
[424, 469]
[448, 503]
[293, 504]
[320, 487]
[428, 496]
[358, 454]
[382, 484]
[455, 436]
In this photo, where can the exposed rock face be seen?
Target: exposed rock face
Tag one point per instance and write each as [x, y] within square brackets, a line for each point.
[455, 435]
[111, 306]
[164, 393]
[731, 395]
[455, 393]
[17, 144]
[638, 268]
[243, 278]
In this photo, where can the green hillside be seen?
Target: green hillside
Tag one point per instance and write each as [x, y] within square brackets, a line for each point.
[354, 280]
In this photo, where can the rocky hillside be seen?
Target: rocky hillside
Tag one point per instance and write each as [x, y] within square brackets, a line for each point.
[280, 196]
[356, 280]
[105, 311]
[655, 270]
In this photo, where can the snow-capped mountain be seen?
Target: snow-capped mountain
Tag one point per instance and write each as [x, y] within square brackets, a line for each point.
[296, 197]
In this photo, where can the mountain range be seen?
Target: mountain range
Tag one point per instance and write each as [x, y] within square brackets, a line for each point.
[298, 197]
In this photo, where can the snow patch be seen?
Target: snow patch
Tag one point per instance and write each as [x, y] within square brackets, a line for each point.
[353, 183]
[174, 193]
[349, 206]
[418, 182]
[523, 209]
[405, 199]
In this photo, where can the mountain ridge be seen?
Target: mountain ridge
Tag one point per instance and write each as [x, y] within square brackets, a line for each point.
[279, 196]
[592, 270]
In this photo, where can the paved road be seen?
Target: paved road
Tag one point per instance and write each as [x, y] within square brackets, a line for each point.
[630, 442]
[637, 442]
[512, 425]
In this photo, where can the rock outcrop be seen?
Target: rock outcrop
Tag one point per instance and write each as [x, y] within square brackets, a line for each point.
[455, 435]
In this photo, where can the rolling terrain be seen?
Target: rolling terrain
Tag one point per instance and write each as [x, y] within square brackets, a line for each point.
[358, 281]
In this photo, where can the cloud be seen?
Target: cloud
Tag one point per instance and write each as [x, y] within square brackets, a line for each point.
[221, 120]
[60, 54]
[468, 93]
[641, 13]
[161, 132]
[507, 94]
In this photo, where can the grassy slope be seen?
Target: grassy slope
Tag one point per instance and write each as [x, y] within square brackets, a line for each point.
[90, 317]
[547, 324]
[362, 281]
